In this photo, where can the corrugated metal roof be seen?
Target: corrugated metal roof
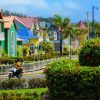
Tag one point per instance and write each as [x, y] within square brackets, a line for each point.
[42, 24]
[28, 21]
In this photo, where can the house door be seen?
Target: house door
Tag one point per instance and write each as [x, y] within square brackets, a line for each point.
[32, 48]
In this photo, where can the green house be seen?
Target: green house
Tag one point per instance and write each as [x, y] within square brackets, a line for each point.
[10, 36]
[1, 35]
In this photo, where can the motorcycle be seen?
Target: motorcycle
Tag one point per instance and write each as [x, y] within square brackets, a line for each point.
[13, 72]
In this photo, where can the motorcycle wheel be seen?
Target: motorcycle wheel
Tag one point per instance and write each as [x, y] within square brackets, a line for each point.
[20, 76]
[10, 75]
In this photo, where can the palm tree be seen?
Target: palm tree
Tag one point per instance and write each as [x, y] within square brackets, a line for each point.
[70, 32]
[61, 25]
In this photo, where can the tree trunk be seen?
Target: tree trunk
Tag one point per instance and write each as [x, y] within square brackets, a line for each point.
[70, 53]
[60, 44]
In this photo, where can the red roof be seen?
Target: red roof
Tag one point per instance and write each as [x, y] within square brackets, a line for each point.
[28, 21]
[81, 25]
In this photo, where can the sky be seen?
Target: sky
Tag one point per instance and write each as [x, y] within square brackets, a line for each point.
[74, 9]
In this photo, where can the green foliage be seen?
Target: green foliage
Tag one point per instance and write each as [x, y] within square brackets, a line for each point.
[37, 83]
[5, 60]
[46, 46]
[74, 51]
[41, 57]
[4, 54]
[9, 60]
[90, 53]
[96, 29]
[38, 57]
[25, 51]
[21, 83]
[23, 94]
[65, 50]
[19, 52]
[66, 79]
[12, 84]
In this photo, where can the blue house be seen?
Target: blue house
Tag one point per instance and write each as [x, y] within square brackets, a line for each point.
[23, 32]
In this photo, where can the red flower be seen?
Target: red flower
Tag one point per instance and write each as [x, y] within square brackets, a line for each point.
[65, 68]
[45, 69]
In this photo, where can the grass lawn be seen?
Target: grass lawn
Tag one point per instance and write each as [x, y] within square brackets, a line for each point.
[23, 91]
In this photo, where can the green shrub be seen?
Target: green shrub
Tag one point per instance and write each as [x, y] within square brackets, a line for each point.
[36, 83]
[47, 46]
[67, 80]
[89, 54]
[40, 57]
[65, 50]
[9, 60]
[20, 96]
[74, 51]
[5, 60]
[25, 51]
[4, 53]
[12, 84]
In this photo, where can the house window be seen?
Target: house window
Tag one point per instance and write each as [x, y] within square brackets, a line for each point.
[12, 43]
[32, 48]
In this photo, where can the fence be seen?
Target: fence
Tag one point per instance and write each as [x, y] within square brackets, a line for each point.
[30, 67]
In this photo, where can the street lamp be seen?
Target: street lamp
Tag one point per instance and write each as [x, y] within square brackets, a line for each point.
[93, 20]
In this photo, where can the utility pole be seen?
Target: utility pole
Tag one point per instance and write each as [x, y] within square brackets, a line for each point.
[93, 35]
[87, 25]
[60, 32]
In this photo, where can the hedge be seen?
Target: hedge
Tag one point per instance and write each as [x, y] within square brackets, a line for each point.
[89, 54]
[9, 60]
[22, 83]
[66, 80]
[27, 95]
[37, 83]
[12, 84]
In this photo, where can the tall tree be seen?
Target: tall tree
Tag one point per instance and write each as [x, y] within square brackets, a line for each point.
[61, 25]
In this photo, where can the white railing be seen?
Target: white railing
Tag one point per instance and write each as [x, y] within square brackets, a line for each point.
[30, 67]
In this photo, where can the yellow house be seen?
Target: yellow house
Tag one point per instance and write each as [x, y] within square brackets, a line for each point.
[34, 41]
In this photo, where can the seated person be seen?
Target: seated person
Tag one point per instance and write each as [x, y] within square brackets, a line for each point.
[17, 65]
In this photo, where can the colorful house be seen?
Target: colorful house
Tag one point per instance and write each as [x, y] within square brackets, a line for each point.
[26, 35]
[31, 23]
[2, 39]
[43, 31]
[10, 36]
[23, 32]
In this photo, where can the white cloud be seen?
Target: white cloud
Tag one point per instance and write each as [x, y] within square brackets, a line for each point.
[34, 3]
[39, 7]
[71, 4]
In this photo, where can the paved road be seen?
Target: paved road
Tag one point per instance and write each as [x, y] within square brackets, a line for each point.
[29, 75]
[34, 76]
